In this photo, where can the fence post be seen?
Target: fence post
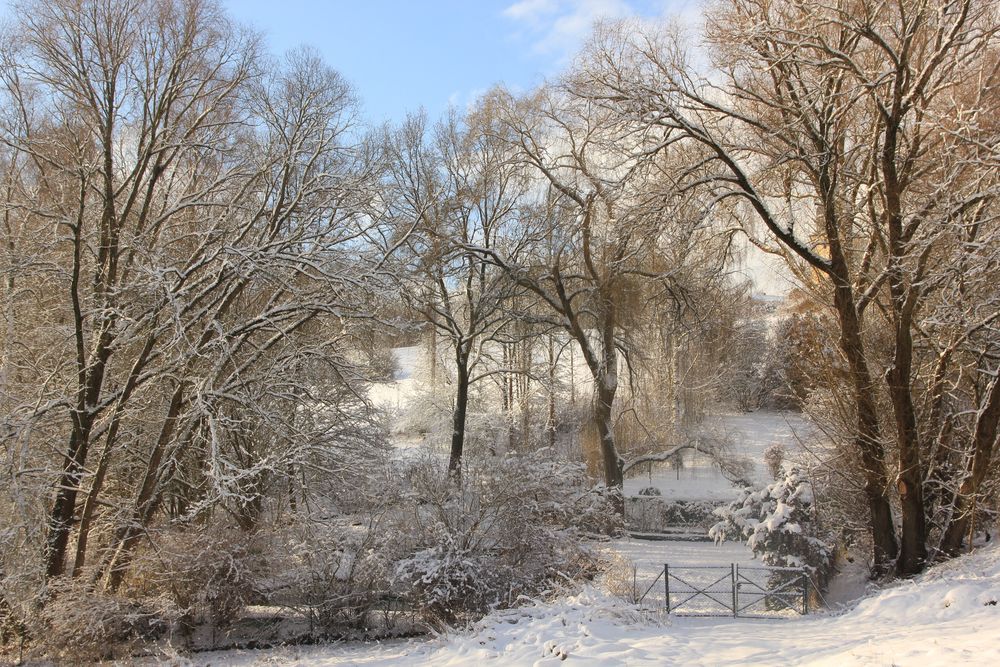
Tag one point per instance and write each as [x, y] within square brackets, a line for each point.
[635, 590]
[805, 593]
[666, 586]
[732, 573]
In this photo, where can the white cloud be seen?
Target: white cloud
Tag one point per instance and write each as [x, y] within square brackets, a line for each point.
[531, 11]
[465, 100]
[557, 27]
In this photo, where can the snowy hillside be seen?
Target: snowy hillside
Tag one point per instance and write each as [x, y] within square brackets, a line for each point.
[949, 616]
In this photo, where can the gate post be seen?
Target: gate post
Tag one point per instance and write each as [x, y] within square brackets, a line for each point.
[666, 586]
[805, 592]
[732, 574]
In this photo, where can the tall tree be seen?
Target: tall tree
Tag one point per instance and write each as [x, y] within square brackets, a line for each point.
[829, 124]
[196, 219]
[602, 214]
[458, 188]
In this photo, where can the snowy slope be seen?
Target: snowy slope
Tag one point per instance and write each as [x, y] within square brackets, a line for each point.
[949, 616]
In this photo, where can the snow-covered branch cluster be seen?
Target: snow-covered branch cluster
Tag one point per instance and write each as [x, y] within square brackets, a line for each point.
[779, 525]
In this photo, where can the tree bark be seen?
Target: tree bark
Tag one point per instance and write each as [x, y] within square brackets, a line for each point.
[867, 441]
[459, 416]
[984, 442]
[607, 386]
[913, 547]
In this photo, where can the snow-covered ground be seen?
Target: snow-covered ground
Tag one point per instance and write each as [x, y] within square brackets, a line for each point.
[394, 395]
[751, 434]
[652, 554]
[949, 616]
[638, 566]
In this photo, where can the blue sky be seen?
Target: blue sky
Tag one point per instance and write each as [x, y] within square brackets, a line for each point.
[403, 55]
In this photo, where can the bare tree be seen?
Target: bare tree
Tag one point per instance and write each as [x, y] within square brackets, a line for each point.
[458, 189]
[827, 125]
[595, 234]
[210, 236]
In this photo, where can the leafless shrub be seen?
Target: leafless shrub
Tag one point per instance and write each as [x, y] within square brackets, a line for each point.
[618, 577]
[211, 575]
[80, 623]
[513, 529]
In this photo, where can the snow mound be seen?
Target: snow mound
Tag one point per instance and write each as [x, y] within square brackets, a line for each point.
[948, 592]
[592, 628]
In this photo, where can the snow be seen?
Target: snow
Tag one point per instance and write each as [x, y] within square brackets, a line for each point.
[652, 554]
[949, 616]
[406, 361]
[394, 395]
[944, 618]
[751, 433]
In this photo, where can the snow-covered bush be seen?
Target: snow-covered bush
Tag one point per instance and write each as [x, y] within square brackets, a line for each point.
[450, 580]
[778, 525]
[511, 531]
[427, 413]
[774, 456]
[656, 514]
[337, 571]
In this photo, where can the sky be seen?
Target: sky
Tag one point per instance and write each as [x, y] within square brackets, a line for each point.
[403, 55]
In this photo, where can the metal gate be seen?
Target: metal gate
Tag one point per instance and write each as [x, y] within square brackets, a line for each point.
[721, 590]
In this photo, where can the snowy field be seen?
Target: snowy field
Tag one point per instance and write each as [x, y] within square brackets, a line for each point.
[407, 362]
[949, 616]
[652, 554]
[751, 434]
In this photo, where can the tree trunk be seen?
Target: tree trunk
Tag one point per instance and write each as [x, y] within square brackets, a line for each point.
[983, 443]
[524, 380]
[607, 386]
[90, 373]
[885, 548]
[147, 500]
[97, 485]
[83, 417]
[507, 393]
[913, 552]
[913, 547]
[613, 464]
[432, 344]
[551, 421]
[459, 416]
